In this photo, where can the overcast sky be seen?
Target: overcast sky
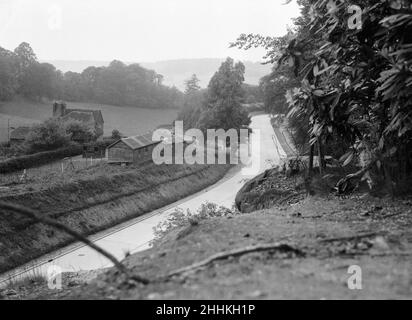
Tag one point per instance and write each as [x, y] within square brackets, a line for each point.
[137, 30]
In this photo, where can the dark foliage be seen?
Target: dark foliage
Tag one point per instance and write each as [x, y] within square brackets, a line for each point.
[357, 82]
[38, 159]
[45, 157]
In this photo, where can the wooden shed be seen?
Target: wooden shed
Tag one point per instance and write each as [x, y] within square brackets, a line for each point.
[132, 150]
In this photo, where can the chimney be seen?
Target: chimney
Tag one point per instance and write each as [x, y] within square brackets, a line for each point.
[59, 109]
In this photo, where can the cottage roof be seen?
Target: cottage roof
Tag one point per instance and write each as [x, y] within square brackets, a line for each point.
[20, 133]
[96, 114]
[137, 142]
[81, 116]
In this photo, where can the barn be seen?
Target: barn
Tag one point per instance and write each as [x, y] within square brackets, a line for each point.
[132, 150]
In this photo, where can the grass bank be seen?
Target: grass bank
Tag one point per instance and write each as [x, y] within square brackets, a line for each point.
[95, 203]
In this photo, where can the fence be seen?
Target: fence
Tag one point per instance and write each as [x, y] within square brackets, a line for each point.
[64, 168]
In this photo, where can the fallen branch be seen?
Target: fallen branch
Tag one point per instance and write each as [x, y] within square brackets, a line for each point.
[53, 223]
[341, 186]
[234, 253]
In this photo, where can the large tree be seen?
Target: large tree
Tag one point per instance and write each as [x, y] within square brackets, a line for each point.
[8, 81]
[192, 103]
[357, 84]
[40, 80]
[192, 85]
[25, 59]
[223, 108]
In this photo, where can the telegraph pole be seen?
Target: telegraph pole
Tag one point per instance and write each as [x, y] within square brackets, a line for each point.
[8, 130]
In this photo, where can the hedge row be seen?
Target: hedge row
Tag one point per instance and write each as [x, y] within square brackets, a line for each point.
[38, 159]
[42, 158]
[101, 144]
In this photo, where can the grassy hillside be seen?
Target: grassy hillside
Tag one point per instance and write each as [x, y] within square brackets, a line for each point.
[128, 120]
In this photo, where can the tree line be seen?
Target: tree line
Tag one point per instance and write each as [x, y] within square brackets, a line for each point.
[220, 106]
[117, 84]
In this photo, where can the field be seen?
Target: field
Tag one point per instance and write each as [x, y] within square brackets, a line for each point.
[60, 172]
[128, 120]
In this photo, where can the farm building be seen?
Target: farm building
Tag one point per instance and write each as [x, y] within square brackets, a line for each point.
[19, 134]
[92, 118]
[132, 150]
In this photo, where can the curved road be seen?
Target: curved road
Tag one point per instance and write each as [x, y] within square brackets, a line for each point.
[135, 235]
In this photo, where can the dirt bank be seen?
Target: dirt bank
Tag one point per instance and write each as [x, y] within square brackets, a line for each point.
[269, 189]
[95, 203]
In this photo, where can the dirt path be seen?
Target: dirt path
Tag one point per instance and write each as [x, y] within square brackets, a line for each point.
[327, 237]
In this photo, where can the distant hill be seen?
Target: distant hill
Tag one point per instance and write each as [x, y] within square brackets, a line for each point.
[175, 72]
[76, 66]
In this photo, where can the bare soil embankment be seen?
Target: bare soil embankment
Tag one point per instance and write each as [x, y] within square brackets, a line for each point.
[321, 239]
[95, 203]
[269, 189]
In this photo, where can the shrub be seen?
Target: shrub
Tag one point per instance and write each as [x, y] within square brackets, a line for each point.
[101, 144]
[116, 135]
[79, 131]
[48, 135]
[180, 218]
